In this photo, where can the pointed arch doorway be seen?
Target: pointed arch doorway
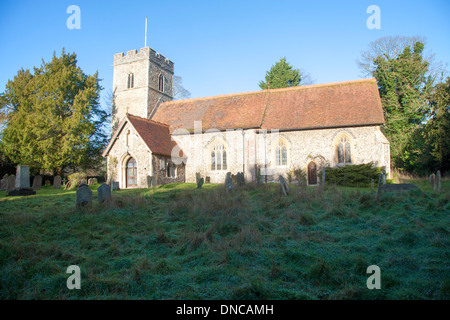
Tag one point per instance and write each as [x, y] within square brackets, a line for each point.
[312, 173]
[131, 173]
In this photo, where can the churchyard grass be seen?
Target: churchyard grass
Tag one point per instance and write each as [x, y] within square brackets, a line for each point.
[180, 242]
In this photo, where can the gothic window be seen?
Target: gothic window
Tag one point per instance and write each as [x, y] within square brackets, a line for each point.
[161, 82]
[344, 150]
[281, 153]
[130, 81]
[219, 157]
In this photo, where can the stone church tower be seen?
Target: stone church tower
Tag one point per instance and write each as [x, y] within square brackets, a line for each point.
[141, 82]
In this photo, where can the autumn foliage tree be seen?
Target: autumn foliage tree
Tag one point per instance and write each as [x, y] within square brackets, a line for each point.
[53, 116]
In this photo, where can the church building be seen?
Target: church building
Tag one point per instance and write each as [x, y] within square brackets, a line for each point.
[270, 132]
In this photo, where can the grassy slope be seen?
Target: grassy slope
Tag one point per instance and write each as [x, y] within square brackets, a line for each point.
[179, 242]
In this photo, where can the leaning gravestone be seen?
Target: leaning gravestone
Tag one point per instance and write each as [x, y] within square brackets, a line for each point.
[22, 177]
[228, 182]
[200, 183]
[103, 193]
[57, 182]
[37, 181]
[84, 196]
[284, 186]
[11, 183]
[438, 181]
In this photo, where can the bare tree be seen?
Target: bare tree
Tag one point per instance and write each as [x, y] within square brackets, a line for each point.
[179, 92]
[391, 47]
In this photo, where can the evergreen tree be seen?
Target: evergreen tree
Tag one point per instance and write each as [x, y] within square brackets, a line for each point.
[53, 117]
[438, 127]
[404, 90]
[281, 75]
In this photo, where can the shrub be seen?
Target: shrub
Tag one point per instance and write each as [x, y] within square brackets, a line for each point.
[297, 175]
[75, 180]
[353, 175]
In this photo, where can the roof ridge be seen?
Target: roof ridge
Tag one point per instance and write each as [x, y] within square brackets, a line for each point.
[309, 86]
[148, 120]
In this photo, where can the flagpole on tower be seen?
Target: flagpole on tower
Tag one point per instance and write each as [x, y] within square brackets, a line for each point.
[145, 32]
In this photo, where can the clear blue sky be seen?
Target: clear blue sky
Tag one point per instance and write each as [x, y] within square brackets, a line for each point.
[218, 47]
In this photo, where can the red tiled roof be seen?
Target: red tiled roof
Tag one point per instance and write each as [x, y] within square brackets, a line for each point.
[340, 104]
[155, 134]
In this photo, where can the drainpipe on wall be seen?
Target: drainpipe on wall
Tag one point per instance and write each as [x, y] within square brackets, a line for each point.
[265, 157]
[243, 152]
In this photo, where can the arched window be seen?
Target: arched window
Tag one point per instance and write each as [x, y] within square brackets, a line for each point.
[171, 170]
[281, 153]
[344, 150]
[130, 81]
[218, 157]
[131, 173]
[161, 82]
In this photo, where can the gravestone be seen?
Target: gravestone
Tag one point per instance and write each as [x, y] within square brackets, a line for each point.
[149, 181]
[4, 182]
[84, 196]
[48, 183]
[208, 180]
[398, 187]
[433, 181]
[57, 182]
[22, 177]
[90, 182]
[103, 193]
[115, 185]
[94, 181]
[21, 192]
[11, 183]
[84, 181]
[258, 177]
[380, 181]
[37, 182]
[228, 182]
[200, 183]
[438, 181]
[240, 179]
[384, 176]
[284, 186]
